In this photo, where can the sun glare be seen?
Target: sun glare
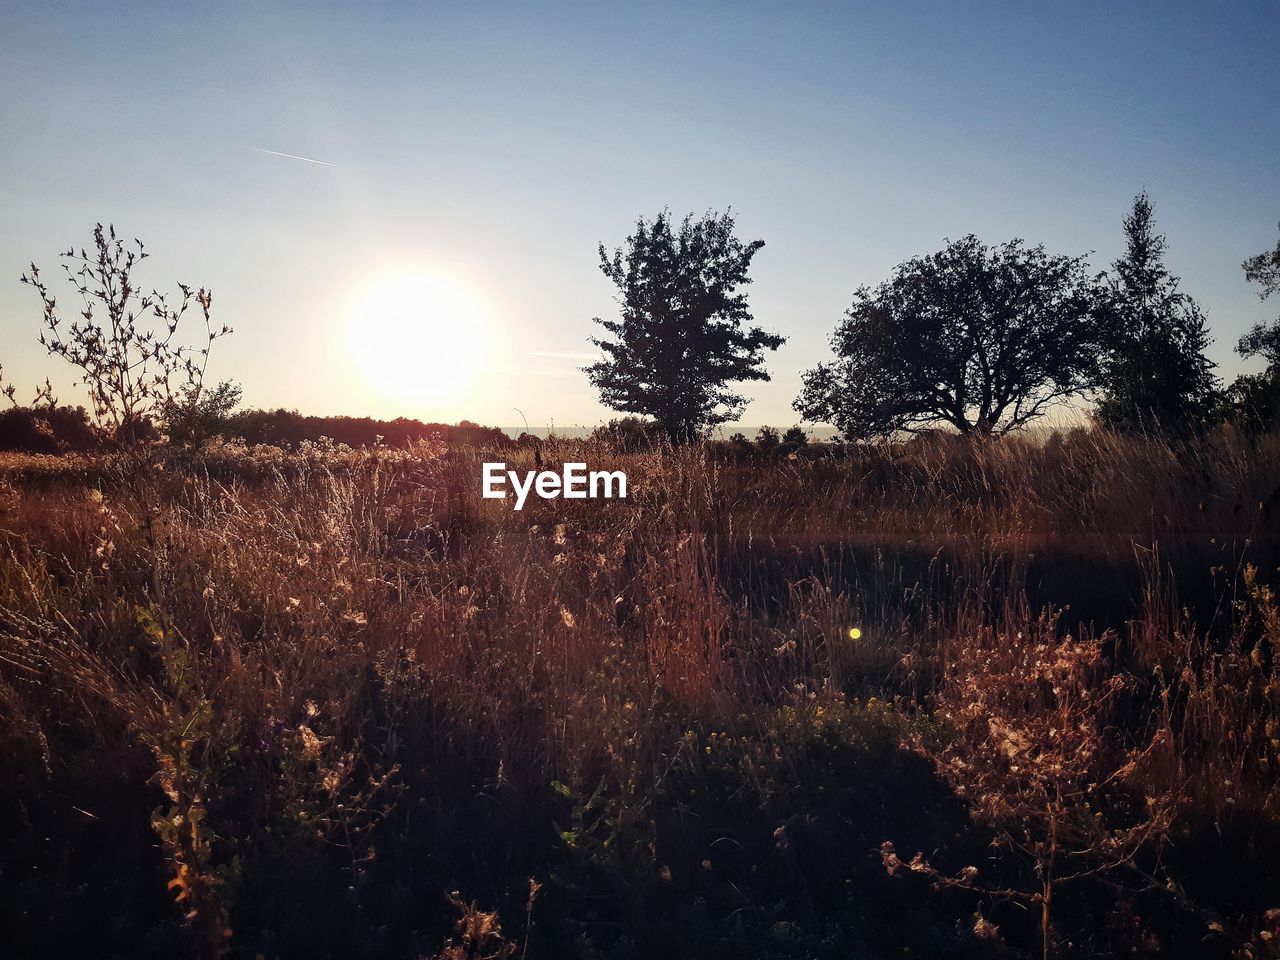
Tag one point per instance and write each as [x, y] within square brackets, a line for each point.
[416, 337]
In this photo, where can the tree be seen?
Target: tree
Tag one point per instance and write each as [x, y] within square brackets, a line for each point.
[1262, 341]
[628, 434]
[123, 341]
[683, 337]
[1158, 376]
[768, 439]
[795, 436]
[985, 339]
[1264, 269]
[195, 419]
[123, 344]
[1256, 396]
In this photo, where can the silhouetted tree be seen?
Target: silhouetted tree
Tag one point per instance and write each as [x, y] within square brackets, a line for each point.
[629, 434]
[123, 344]
[1158, 376]
[984, 339]
[1264, 269]
[795, 436]
[1255, 399]
[122, 340]
[684, 336]
[1262, 341]
[1256, 396]
[768, 439]
[740, 446]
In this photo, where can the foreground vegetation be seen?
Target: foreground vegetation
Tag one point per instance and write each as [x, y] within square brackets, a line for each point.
[944, 698]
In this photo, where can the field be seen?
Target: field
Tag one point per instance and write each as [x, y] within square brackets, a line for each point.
[944, 698]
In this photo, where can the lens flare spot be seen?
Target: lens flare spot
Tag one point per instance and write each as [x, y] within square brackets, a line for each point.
[855, 633]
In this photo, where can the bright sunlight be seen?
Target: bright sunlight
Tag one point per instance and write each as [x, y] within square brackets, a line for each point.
[417, 337]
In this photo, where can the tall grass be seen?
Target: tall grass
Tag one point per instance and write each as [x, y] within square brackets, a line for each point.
[331, 702]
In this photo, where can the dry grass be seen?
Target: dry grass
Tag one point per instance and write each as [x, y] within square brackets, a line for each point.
[306, 696]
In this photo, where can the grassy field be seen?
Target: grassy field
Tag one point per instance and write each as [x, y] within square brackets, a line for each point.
[938, 699]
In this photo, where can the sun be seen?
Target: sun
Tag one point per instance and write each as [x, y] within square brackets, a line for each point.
[416, 337]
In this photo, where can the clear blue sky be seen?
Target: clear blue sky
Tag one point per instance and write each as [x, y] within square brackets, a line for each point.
[493, 146]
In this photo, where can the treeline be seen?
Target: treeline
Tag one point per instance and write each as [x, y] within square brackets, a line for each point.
[64, 429]
[47, 429]
[290, 428]
[975, 339]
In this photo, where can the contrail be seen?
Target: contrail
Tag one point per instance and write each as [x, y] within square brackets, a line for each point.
[293, 156]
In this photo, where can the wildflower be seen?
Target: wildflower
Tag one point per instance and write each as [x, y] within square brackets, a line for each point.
[311, 743]
[984, 929]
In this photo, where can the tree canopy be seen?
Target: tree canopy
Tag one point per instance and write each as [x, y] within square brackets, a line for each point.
[1264, 269]
[684, 337]
[1257, 395]
[1263, 340]
[985, 339]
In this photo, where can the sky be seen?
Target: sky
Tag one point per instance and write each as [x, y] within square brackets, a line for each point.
[474, 155]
